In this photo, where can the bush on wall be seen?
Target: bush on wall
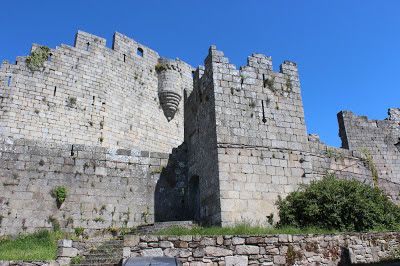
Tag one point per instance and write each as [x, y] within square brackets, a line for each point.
[60, 194]
[346, 205]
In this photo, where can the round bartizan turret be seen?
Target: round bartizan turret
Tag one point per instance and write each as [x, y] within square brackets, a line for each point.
[169, 86]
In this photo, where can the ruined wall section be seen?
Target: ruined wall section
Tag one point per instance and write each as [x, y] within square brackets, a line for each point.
[105, 186]
[91, 94]
[200, 136]
[379, 139]
[345, 164]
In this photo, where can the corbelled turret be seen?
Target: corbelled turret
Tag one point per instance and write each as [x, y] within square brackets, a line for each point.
[169, 86]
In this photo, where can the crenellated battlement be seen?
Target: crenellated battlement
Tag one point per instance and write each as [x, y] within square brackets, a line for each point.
[254, 105]
[102, 95]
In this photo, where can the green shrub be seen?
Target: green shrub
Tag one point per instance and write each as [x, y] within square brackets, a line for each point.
[79, 231]
[56, 224]
[35, 61]
[160, 67]
[346, 205]
[60, 193]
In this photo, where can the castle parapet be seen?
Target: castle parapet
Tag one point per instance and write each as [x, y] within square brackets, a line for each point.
[85, 41]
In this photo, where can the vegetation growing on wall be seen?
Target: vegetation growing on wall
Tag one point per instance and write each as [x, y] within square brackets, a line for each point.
[289, 85]
[60, 194]
[270, 83]
[368, 157]
[35, 61]
[346, 205]
[160, 67]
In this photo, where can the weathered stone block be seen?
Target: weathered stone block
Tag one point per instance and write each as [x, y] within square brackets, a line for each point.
[67, 252]
[255, 240]
[154, 252]
[238, 240]
[199, 252]
[279, 260]
[247, 250]
[131, 240]
[171, 252]
[166, 244]
[218, 252]
[236, 261]
[126, 252]
[184, 253]
[66, 243]
[283, 238]
[207, 241]
[180, 244]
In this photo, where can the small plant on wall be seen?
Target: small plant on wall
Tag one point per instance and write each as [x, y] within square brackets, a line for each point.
[160, 67]
[270, 83]
[60, 194]
[71, 102]
[289, 85]
[79, 231]
[35, 61]
[145, 215]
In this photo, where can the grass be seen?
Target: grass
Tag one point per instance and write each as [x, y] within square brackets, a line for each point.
[37, 246]
[243, 229]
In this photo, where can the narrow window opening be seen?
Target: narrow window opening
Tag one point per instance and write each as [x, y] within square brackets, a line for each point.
[93, 100]
[263, 111]
[124, 57]
[264, 83]
[50, 56]
[9, 81]
[140, 51]
[55, 91]
[72, 150]
[87, 46]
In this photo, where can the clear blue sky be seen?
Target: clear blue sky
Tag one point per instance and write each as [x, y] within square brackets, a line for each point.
[348, 52]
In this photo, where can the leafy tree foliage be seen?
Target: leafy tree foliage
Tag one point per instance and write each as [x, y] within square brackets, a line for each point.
[346, 205]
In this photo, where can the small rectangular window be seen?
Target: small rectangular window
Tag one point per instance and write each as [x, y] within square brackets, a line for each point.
[140, 51]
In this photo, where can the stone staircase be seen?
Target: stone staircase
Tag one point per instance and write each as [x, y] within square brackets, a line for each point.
[110, 253]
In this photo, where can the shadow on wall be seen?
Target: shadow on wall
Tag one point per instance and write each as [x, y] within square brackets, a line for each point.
[346, 259]
[173, 196]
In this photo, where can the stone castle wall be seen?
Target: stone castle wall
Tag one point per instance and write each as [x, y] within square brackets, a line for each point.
[200, 136]
[106, 187]
[254, 119]
[379, 139]
[90, 94]
[109, 124]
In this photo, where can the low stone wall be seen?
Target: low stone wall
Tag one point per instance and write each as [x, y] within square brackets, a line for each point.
[306, 249]
[330, 249]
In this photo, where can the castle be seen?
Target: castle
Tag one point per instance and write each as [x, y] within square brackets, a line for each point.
[136, 138]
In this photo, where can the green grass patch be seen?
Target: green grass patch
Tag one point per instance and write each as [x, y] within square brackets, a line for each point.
[244, 229]
[37, 246]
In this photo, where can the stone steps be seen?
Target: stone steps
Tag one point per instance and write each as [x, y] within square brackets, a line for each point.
[110, 253]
